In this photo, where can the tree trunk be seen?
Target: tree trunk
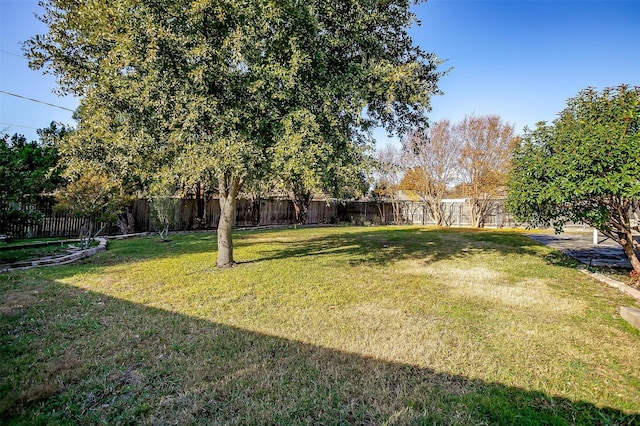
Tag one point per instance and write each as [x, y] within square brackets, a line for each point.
[229, 188]
[380, 211]
[126, 222]
[396, 211]
[479, 211]
[621, 231]
[199, 221]
[301, 202]
[255, 209]
[436, 211]
[626, 242]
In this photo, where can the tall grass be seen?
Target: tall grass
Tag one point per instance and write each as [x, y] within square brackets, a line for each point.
[319, 326]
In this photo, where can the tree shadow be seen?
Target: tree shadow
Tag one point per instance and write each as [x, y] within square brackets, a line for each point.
[387, 245]
[354, 246]
[581, 248]
[74, 356]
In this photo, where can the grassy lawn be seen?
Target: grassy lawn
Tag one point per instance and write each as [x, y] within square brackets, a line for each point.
[18, 254]
[318, 326]
[31, 249]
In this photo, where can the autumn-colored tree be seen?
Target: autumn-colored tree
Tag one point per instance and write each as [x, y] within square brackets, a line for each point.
[94, 197]
[487, 144]
[433, 160]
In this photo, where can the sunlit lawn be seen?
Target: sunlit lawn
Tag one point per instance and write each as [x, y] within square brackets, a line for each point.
[345, 325]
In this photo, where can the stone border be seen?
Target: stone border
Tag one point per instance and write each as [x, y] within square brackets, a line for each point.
[60, 260]
[611, 282]
[69, 258]
[125, 236]
[631, 315]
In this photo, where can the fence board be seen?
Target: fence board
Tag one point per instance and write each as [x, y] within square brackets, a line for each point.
[263, 212]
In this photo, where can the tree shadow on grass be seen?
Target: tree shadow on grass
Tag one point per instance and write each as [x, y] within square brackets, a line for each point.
[354, 246]
[384, 246]
[74, 356]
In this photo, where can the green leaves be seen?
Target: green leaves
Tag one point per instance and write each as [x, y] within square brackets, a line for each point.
[27, 170]
[206, 70]
[585, 167]
[241, 89]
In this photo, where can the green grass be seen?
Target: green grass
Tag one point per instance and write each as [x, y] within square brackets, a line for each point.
[29, 253]
[25, 250]
[318, 326]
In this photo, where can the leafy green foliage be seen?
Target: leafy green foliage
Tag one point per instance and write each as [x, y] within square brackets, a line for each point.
[584, 167]
[219, 92]
[96, 197]
[26, 172]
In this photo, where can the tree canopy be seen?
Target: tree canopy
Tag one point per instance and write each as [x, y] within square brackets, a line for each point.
[584, 167]
[26, 171]
[217, 91]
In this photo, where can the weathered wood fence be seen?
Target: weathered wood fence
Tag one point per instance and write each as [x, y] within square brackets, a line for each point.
[54, 223]
[192, 214]
[187, 214]
[260, 212]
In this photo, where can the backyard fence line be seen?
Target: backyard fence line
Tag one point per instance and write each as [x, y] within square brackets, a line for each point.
[54, 223]
[457, 213]
[193, 214]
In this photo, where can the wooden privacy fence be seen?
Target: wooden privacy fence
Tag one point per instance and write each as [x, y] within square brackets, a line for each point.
[192, 214]
[54, 223]
[188, 214]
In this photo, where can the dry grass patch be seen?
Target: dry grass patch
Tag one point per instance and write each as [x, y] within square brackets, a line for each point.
[319, 326]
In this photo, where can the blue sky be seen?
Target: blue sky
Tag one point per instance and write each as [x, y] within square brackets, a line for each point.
[522, 60]
[518, 59]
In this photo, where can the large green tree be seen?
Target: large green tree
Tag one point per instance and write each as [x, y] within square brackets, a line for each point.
[584, 167]
[26, 171]
[216, 91]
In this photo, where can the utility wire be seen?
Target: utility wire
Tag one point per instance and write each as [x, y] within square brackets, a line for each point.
[17, 125]
[35, 100]
[12, 54]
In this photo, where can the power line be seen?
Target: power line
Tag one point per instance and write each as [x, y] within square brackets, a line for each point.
[17, 125]
[12, 54]
[35, 100]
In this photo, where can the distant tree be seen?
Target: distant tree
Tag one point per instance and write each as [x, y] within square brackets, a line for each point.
[165, 201]
[27, 170]
[486, 147]
[96, 198]
[163, 213]
[433, 161]
[388, 176]
[205, 89]
[584, 167]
